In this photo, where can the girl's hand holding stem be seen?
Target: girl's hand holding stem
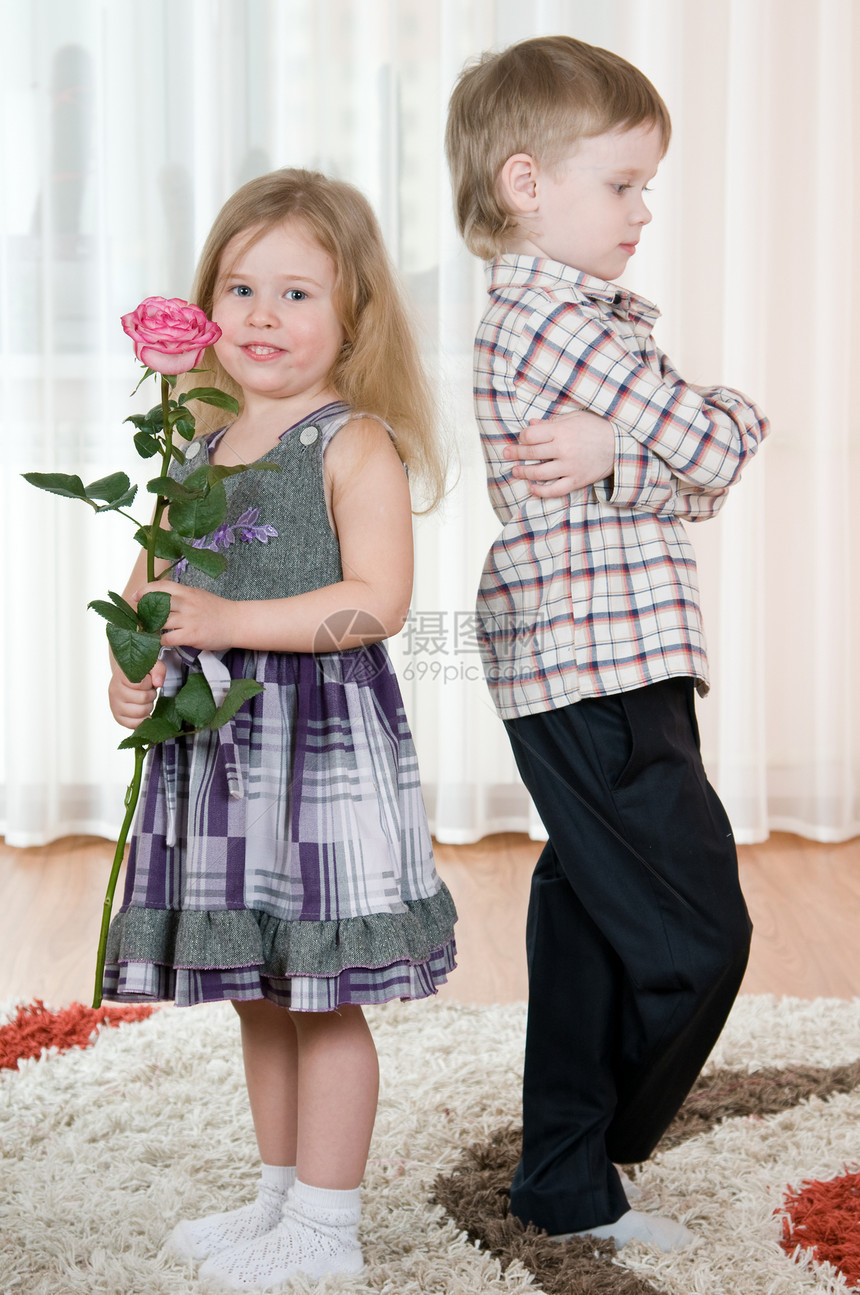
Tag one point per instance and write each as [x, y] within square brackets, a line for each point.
[197, 619]
[130, 703]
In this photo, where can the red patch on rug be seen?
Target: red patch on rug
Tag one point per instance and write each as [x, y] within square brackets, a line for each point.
[35, 1027]
[823, 1218]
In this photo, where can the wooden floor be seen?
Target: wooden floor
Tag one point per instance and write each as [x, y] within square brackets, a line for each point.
[804, 899]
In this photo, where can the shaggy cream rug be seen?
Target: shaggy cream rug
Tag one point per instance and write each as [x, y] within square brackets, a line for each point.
[103, 1149]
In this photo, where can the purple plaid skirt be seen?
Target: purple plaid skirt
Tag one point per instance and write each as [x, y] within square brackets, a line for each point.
[286, 856]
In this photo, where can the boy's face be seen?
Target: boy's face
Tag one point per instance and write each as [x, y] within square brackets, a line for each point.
[589, 209]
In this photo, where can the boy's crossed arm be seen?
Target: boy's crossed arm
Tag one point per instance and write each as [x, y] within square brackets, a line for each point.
[701, 437]
[572, 451]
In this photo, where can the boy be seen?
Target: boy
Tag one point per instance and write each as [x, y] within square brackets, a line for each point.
[638, 934]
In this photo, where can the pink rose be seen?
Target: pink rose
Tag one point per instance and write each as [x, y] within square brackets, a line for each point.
[169, 336]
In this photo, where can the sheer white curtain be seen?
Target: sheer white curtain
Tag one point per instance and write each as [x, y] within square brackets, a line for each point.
[126, 124]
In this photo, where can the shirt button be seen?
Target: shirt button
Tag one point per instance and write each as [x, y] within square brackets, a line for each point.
[308, 435]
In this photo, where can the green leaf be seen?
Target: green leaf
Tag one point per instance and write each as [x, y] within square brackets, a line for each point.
[137, 420]
[146, 444]
[176, 454]
[135, 653]
[147, 373]
[152, 611]
[116, 615]
[109, 488]
[211, 564]
[198, 481]
[165, 708]
[152, 730]
[195, 518]
[120, 602]
[123, 502]
[194, 701]
[240, 691]
[218, 471]
[155, 418]
[167, 545]
[171, 489]
[58, 483]
[184, 427]
[211, 396]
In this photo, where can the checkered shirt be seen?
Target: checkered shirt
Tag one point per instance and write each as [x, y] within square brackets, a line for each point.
[595, 593]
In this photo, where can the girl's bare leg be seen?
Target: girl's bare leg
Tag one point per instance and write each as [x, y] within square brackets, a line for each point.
[338, 1083]
[269, 1048]
[270, 1054]
[338, 1088]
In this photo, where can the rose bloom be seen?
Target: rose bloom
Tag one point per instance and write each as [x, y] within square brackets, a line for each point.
[169, 336]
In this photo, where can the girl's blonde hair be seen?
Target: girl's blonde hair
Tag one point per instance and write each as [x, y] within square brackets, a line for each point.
[379, 370]
[539, 97]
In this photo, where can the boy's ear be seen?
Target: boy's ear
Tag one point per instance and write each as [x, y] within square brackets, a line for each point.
[518, 183]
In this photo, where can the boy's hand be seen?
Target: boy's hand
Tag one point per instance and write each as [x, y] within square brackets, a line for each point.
[574, 450]
[131, 703]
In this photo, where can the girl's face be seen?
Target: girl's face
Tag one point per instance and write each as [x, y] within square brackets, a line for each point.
[280, 332]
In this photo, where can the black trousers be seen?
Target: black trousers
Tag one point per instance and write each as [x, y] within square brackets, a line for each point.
[637, 941]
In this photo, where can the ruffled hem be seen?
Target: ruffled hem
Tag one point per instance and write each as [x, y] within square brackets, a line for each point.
[192, 956]
[191, 939]
[149, 982]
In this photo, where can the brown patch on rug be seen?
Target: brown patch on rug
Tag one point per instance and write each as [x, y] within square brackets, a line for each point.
[727, 1094]
[475, 1193]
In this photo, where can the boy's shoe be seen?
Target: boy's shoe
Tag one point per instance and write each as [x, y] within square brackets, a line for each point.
[653, 1229]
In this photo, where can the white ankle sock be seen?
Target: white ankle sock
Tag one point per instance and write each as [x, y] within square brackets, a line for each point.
[653, 1229]
[318, 1234]
[281, 1177]
[198, 1238]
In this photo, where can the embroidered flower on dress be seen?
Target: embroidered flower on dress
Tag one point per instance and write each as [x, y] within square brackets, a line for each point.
[244, 529]
[249, 530]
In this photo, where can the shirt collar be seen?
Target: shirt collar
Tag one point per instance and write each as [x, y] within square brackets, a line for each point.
[535, 271]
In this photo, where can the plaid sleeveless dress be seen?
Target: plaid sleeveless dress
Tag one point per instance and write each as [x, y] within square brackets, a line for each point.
[286, 856]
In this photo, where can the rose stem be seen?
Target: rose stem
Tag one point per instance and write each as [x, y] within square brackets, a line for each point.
[133, 792]
[131, 797]
[160, 500]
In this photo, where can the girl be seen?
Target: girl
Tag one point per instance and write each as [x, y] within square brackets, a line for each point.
[284, 862]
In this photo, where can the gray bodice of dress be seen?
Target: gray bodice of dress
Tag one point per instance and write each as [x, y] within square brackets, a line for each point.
[276, 536]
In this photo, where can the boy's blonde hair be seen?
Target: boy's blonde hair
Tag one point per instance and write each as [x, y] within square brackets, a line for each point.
[539, 97]
[379, 370]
